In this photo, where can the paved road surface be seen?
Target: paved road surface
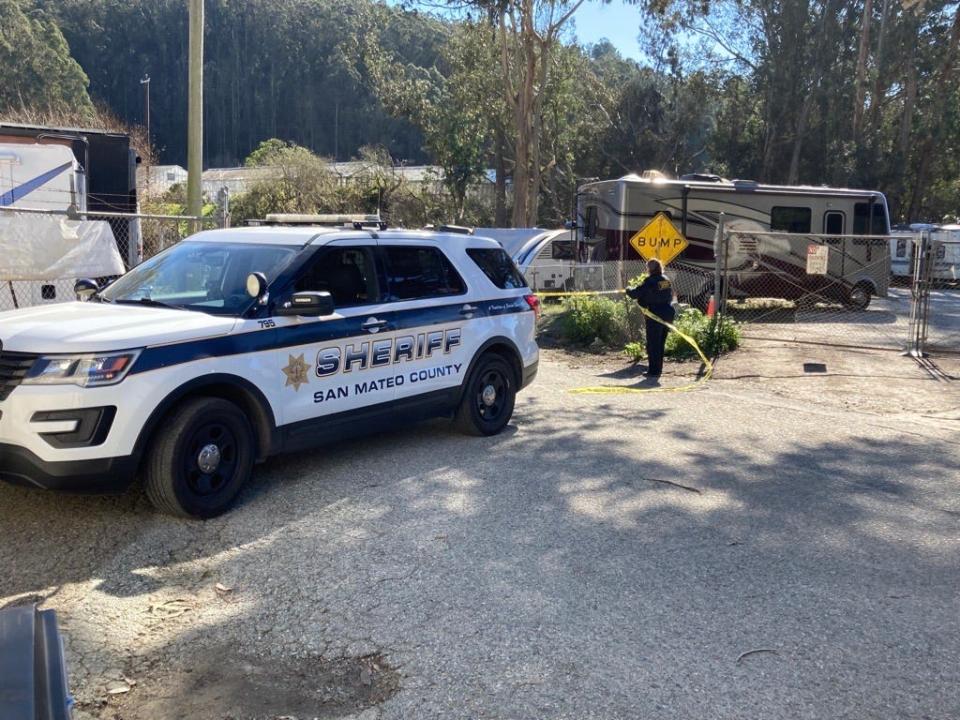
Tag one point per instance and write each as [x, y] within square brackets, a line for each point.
[730, 553]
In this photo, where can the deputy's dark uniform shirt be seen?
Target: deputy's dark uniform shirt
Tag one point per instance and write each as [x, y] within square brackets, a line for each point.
[656, 294]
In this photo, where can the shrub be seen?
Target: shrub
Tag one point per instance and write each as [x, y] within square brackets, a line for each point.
[586, 318]
[635, 351]
[713, 338]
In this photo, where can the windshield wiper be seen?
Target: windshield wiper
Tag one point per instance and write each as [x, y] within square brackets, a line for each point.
[146, 301]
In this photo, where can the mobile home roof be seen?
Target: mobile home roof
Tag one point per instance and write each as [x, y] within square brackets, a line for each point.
[740, 186]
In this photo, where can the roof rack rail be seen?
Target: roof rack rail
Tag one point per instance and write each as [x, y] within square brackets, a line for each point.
[328, 219]
[457, 229]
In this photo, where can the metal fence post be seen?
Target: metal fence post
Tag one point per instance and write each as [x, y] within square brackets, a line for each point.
[717, 252]
[920, 295]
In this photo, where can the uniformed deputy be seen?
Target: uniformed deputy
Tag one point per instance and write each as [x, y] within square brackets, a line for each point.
[656, 295]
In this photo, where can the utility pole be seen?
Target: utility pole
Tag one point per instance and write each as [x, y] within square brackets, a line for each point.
[146, 88]
[195, 110]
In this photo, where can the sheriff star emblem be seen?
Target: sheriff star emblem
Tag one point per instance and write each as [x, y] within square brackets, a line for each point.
[296, 372]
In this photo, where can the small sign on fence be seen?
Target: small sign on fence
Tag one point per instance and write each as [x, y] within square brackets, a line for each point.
[818, 257]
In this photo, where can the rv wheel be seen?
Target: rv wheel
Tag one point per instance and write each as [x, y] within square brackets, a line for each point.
[859, 297]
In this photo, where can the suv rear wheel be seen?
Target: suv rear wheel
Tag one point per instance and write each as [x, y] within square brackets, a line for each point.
[200, 459]
[488, 400]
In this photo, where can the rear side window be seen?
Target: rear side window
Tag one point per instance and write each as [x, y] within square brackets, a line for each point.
[420, 272]
[790, 219]
[497, 266]
[562, 250]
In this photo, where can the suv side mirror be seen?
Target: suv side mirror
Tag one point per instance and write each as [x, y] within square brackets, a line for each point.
[257, 286]
[85, 288]
[306, 304]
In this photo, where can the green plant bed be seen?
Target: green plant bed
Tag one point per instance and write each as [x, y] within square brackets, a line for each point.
[585, 319]
[713, 337]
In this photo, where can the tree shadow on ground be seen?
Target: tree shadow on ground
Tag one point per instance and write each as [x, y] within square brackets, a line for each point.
[597, 549]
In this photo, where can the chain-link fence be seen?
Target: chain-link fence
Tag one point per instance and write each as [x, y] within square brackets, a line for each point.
[693, 283]
[825, 289]
[44, 253]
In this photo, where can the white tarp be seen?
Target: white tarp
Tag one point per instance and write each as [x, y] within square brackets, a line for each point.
[48, 247]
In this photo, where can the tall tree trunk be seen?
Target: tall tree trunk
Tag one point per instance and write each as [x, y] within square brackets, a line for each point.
[500, 188]
[943, 89]
[819, 53]
[861, 79]
[878, 83]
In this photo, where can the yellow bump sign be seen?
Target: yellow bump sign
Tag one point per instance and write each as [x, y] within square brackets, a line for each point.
[659, 239]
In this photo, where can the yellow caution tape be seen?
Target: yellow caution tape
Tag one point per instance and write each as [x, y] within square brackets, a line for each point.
[620, 389]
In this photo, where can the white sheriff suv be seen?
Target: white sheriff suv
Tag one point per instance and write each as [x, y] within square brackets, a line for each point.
[235, 345]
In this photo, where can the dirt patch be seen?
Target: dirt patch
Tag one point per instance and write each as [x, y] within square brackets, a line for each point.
[216, 683]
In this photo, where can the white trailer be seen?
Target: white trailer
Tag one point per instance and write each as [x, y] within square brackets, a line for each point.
[41, 177]
[946, 261]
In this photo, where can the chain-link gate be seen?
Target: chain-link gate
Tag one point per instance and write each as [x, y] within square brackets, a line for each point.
[935, 319]
[135, 236]
[824, 289]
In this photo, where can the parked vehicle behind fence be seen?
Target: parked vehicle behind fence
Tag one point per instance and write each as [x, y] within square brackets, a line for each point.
[774, 225]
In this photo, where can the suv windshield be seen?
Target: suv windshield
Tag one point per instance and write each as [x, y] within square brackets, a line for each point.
[205, 276]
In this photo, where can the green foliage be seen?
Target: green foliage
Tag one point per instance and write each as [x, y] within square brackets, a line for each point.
[39, 75]
[713, 337]
[588, 318]
[776, 91]
[297, 181]
[635, 351]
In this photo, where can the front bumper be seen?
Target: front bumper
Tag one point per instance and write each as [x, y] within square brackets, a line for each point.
[19, 466]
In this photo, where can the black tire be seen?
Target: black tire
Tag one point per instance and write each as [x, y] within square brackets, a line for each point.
[484, 411]
[859, 297]
[174, 479]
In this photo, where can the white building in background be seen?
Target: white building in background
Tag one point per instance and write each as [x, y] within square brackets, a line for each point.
[158, 179]
[236, 179]
[155, 180]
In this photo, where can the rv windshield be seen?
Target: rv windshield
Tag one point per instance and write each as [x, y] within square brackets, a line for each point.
[203, 276]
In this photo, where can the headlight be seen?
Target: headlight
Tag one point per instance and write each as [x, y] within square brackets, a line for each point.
[82, 370]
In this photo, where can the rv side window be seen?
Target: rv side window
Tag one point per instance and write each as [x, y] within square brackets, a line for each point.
[901, 247]
[790, 219]
[861, 219]
[562, 249]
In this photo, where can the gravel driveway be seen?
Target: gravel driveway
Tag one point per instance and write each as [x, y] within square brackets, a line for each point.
[729, 553]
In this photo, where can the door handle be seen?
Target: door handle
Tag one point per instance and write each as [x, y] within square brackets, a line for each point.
[373, 325]
[468, 309]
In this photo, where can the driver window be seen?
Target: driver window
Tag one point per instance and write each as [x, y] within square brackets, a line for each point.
[347, 273]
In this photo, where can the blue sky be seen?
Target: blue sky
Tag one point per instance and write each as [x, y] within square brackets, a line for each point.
[616, 21]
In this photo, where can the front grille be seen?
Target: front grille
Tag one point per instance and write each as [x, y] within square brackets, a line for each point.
[13, 368]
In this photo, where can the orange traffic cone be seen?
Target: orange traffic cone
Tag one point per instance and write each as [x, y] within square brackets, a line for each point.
[711, 307]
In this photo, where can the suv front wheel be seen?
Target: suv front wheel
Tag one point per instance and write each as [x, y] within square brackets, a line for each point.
[200, 459]
[488, 399]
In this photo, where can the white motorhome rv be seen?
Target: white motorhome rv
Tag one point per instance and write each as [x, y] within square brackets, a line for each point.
[547, 258]
[853, 223]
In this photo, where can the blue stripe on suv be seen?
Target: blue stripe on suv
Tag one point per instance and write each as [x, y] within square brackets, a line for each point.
[155, 358]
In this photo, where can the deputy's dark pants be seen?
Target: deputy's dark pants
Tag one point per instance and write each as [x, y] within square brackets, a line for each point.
[656, 341]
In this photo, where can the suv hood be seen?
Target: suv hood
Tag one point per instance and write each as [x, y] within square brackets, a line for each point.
[81, 327]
